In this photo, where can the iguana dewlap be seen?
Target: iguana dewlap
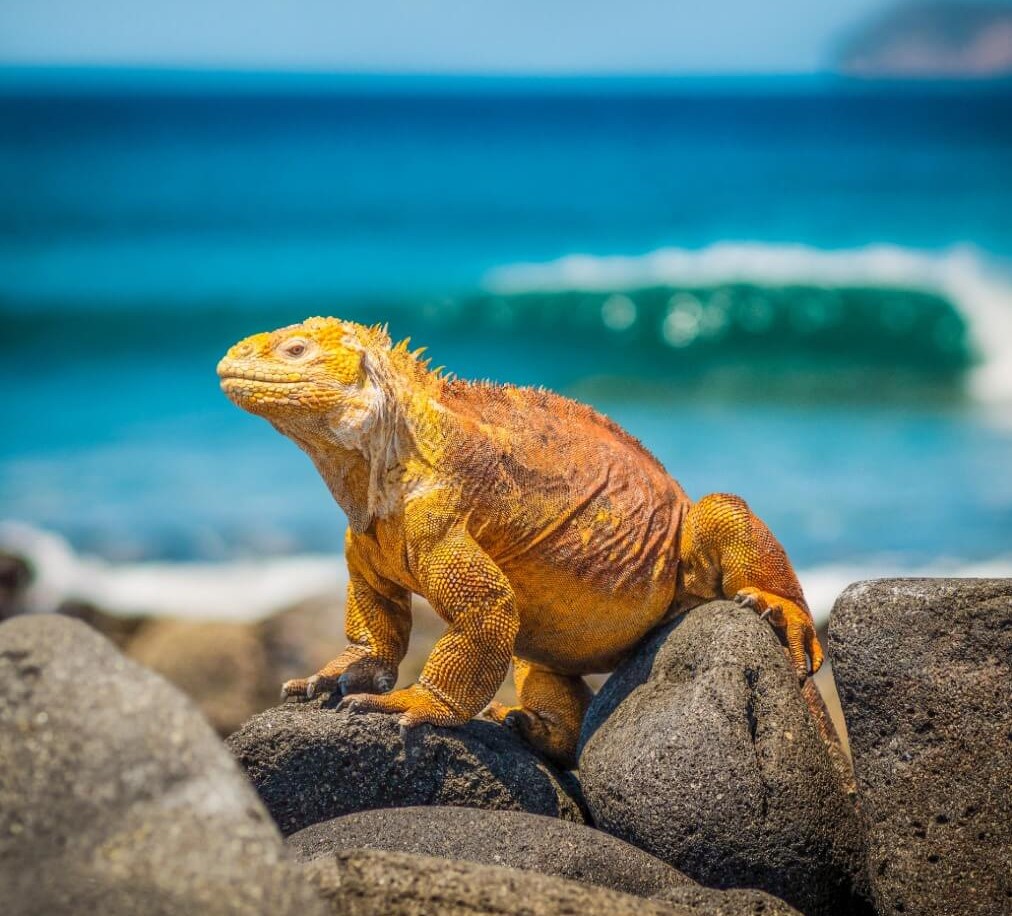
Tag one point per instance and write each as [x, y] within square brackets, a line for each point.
[540, 531]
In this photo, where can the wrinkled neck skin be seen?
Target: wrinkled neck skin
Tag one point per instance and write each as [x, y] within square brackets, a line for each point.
[368, 456]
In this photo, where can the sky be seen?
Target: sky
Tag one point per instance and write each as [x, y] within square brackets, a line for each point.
[434, 36]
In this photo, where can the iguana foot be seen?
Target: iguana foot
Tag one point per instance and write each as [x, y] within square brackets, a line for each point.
[507, 716]
[417, 705]
[305, 688]
[367, 675]
[793, 625]
[550, 712]
[553, 740]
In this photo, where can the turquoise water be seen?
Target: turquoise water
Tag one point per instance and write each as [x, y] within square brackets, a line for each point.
[794, 290]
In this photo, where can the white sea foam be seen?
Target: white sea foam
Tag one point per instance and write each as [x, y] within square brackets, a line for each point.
[236, 590]
[252, 590]
[823, 584]
[977, 289]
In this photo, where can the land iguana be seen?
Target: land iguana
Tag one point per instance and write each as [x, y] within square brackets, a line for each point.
[539, 530]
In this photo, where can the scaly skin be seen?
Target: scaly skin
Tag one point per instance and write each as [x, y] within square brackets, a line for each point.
[727, 551]
[540, 531]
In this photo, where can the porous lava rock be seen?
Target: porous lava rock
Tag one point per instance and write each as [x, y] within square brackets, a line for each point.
[370, 882]
[924, 669]
[116, 796]
[511, 839]
[311, 762]
[702, 750]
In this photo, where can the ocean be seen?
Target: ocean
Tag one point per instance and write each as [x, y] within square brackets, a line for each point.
[798, 290]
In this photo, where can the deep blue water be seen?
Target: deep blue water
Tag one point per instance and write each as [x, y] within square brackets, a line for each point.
[859, 399]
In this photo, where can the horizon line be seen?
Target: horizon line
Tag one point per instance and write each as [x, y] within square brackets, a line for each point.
[18, 71]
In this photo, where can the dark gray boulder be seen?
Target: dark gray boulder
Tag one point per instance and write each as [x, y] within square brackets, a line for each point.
[116, 796]
[16, 575]
[369, 882]
[702, 750]
[924, 670]
[511, 839]
[311, 762]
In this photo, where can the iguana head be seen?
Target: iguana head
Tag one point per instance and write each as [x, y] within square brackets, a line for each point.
[305, 372]
[346, 396]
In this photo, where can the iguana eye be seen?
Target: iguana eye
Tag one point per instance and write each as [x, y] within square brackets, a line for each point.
[295, 348]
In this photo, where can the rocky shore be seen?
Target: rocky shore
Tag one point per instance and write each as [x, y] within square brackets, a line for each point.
[708, 781]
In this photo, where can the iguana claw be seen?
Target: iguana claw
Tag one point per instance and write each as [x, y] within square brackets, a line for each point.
[793, 625]
[349, 703]
[513, 721]
[747, 599]
[294, 688]
[305, 688]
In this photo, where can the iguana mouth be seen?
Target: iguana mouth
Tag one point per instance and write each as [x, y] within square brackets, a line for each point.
[252, 375]
[251, 389]
[249, 380]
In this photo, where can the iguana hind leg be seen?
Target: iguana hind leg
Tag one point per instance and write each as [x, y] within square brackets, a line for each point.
[550, 713]
[727, 551]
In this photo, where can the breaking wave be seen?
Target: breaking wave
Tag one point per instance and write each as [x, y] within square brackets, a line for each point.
[882, 305]
[195, 590]
[728, 320]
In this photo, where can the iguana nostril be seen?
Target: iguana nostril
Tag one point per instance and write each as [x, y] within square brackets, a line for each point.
[241, 350]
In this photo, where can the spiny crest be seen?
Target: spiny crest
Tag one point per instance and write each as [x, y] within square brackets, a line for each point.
[378, 334]
[373, 339]
[416, 358]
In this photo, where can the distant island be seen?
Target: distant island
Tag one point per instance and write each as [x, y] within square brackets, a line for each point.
[939, 39]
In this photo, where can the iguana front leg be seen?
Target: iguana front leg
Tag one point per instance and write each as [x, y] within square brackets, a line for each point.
[377, 624]
[470, 660]
[728, 552]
